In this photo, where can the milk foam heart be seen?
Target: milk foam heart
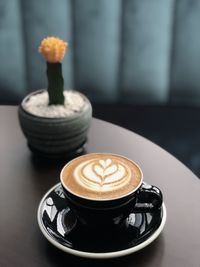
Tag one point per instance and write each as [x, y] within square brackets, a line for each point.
[101, 176]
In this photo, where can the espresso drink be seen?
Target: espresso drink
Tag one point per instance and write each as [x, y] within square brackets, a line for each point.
[101, 176]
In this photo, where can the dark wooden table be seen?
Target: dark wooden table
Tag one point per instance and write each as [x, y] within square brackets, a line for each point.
[24, 180]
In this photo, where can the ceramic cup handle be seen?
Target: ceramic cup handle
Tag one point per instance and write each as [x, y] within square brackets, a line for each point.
[149, 198]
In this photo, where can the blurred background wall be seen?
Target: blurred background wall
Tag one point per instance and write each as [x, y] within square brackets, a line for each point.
[132, 51]
[138, 61]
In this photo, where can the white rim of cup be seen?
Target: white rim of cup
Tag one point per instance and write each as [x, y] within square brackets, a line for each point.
[93, 255]
[99, 200]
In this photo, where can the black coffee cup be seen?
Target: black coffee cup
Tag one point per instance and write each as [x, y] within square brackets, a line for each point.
[113, 212]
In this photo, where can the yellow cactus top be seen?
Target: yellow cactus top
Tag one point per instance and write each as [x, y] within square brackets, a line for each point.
[53, 49]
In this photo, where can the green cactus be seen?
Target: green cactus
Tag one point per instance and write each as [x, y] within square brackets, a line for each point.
[55, 84]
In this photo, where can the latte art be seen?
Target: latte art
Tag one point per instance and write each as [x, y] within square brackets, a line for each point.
[101, 176]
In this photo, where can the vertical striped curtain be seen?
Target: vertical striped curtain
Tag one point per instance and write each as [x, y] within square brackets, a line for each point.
[136, 51]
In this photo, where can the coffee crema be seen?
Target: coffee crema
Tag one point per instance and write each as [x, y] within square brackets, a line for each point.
[101, 176]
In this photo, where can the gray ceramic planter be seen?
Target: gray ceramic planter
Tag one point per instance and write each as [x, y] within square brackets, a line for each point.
[55, 136]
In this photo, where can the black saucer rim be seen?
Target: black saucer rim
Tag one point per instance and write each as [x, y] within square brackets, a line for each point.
[96, 255]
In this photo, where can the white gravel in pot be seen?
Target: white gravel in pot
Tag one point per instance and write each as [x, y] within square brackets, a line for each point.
[38, 105]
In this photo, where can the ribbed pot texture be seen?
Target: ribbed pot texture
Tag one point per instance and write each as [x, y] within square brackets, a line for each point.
[55, 135]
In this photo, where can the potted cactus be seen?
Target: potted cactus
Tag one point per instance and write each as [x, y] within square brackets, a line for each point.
[55, 121]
